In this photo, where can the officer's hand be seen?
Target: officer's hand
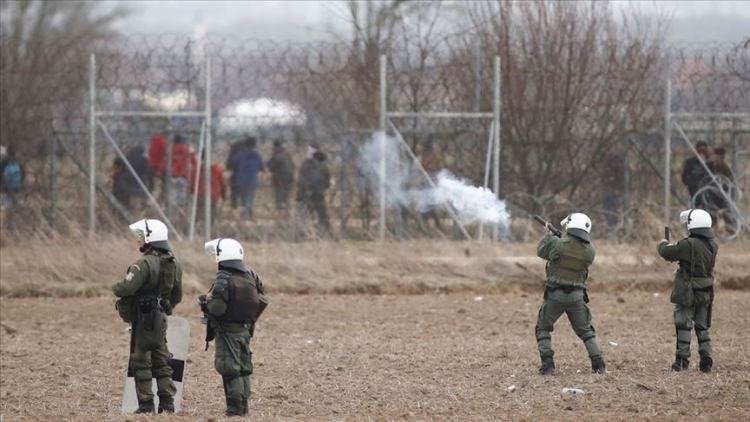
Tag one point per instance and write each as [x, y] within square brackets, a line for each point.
[548, 226]
[202, 299]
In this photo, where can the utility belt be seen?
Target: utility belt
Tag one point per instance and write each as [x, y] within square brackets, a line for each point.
[232, 326]
[567, 290]
[149, 307]
[149, 325]
[708, 289]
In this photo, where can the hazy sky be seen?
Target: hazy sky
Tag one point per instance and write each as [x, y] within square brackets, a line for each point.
[305, 20]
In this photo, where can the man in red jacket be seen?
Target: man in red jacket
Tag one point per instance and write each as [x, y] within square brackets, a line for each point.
[183, 164]
[218, 188]
[157, 150]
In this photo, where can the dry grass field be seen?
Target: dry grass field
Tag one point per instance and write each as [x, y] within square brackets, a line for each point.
[369, 331]
[414, 357]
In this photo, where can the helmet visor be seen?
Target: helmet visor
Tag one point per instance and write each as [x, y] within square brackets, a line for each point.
[139, 228]
[211, 247]
[684, 216]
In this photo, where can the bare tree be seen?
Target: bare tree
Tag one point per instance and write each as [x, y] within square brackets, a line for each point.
[574, 79]
[43, 62]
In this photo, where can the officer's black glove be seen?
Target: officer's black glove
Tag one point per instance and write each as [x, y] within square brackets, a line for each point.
[202, 302]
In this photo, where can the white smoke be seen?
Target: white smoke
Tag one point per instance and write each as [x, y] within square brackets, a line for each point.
[407, 186]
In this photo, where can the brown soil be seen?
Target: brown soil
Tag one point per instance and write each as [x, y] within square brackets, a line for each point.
[435, 356]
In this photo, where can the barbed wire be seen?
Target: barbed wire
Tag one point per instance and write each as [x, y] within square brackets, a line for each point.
[562, 128]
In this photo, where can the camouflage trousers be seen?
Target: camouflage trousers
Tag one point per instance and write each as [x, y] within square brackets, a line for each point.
[685, 319]
[152, 364]
[235, 375]
[554, 305]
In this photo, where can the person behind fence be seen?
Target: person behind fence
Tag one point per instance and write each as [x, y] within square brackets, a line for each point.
[245, 165]
[314, 182]
[218, 188]
[151, 289]
[232, 308]
[728, 185]
[157, 150]
[125, 186]
[693, 291]
[694, 174]
[183, 160]
[234, 189]
[12, 178]
[568, 261]
[432, 164]
[281, 167]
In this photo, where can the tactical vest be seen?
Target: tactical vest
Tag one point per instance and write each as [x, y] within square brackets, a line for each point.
[702, 260]
[243, 303]
[167, 273]
[570, 269]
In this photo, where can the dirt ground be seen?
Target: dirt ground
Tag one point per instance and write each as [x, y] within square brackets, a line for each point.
[416, 357]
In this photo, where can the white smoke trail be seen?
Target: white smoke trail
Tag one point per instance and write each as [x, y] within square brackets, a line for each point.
[472, 203]
[406, 186]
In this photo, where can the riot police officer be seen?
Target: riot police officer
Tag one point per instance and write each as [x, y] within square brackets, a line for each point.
[693, 292]
[232, 307]
[568, 260]
[150, 290]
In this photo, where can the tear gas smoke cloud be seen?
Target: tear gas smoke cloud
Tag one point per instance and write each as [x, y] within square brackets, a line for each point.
[406, 185]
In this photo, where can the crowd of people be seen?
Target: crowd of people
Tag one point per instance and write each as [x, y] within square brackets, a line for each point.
[244, 164]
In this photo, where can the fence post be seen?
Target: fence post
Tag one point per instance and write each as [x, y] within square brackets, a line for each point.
[383, 119]
[92, 144]
[207, 160]
[168, 169]
[496, 144]
[53, 185]
[667, 142]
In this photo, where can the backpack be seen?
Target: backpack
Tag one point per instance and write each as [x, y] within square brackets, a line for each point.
[13, 176]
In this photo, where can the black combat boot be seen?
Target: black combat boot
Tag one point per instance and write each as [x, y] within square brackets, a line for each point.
[548, 366]
[145, 406]
[597, 365]
[706, 364]
[680, 364]
[234, 408]
[244, 407]
[166, 404]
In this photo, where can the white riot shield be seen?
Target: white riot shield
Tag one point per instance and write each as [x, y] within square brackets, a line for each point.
[178, 340]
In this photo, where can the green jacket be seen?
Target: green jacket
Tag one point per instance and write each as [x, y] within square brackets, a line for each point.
[550, 248]
[145, 272]
[695, 257]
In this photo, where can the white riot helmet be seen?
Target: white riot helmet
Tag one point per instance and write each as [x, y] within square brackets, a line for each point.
[154, 232]
[228, 252]
[577, 225]
[698, 222]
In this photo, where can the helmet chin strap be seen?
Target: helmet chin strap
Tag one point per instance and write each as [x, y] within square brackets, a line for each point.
[218, 249]
[148, 230]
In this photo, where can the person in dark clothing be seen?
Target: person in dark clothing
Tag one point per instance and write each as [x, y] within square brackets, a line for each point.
[281, 167]
[234, 189]
[694, 174]
[12, 177]
[125, 187]
[246, 164]
[314, 181]
[728, 185]
[432, 164]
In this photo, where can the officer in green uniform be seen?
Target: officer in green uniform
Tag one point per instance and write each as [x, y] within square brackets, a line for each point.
[232, 307]
[693, 291]
[151, 289]
[565, 290]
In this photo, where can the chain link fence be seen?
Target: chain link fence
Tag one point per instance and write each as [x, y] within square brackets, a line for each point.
[582, 124]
